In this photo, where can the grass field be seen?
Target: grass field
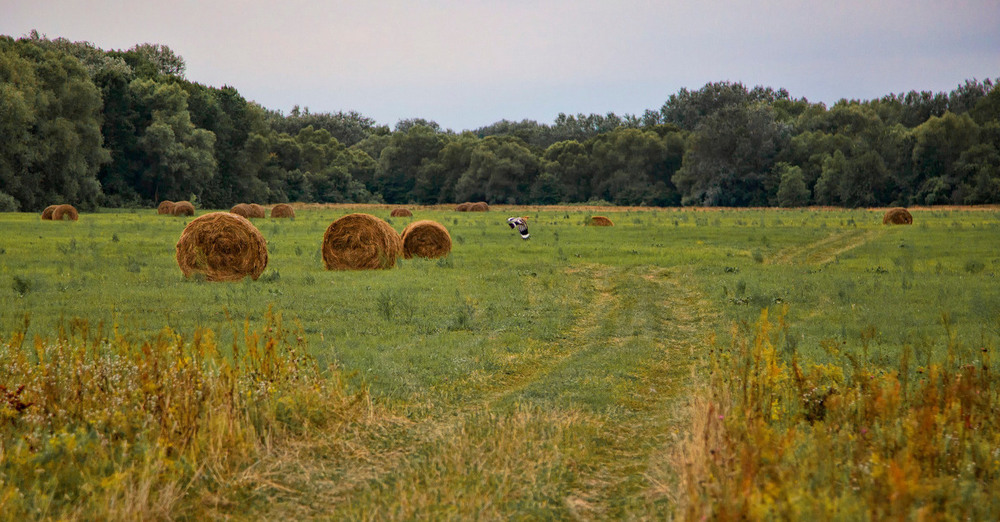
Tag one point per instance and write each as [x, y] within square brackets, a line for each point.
[591, 372]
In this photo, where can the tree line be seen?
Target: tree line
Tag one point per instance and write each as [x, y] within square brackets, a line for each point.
[125, 128]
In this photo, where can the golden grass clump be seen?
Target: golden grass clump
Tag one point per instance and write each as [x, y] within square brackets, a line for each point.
[282, 210]
[401, 212]
[601, 221]
[222, 246]
[425, 238]
[480, 206]
[182, 208]
[47, 213]
[360, 242]
[241, 209]
[897, 216]
[62, 212]
[463, 207]
[165, 207]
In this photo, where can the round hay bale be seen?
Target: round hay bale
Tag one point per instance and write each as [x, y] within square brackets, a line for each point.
[426, 238]
[480, 206]
[360, 242]
[62, 212]
[257, 211]
[601, 221]
[223, 247]
[282, 210]
[463, 207]
[47, 213]
[897, 216]
[242, 209]
[183, 208]
[401, 212]
[165, 207]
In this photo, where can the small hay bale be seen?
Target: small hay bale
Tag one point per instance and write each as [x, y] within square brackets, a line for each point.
[360, 242]
[601, 221]
[62, 212]
[223, 247]
[463, 207]
[183, 208]
[897, 216]
[401, 212]
[426, 238]
[480, 206]
[165, 207]
[282, 210]
[47, 213]
[257, 211]
[242, 209]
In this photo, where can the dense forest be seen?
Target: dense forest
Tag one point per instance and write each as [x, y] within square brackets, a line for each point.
[126, 129]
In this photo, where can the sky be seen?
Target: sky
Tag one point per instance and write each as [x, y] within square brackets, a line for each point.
[467, 64]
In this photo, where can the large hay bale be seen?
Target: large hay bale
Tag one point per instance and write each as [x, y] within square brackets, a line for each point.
[47, 213]
[601, 221]
[257, 211]
[165, 207]
[223, 247]
[897, 216]
[282, 210]
[360, 242]
[425, 238]
[401, 212]
[463, 207]
[480, 206]
[183, 208]
[62, 212]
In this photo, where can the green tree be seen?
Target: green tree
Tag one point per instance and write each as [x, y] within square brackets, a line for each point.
[501, 170]
[792, 192]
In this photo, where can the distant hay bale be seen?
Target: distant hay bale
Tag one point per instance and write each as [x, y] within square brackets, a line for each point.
[897, 216]
[401, 212]
[601, 221]
[282, 210]
[223, 247]
[257, 211]
[480, 206]
[463, 207]
[165, 207]
[47, 213]
[62, 212]
[182, 208]
[360, 242]
[425, 238]
[242, 209]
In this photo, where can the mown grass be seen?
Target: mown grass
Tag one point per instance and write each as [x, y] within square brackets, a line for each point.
[561, 362]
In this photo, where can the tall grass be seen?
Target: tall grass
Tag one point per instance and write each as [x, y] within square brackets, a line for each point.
[94, 426]
[771, 437]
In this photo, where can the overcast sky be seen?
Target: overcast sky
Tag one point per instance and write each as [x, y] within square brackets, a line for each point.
[466, 64]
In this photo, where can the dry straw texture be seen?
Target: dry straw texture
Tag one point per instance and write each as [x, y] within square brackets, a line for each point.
[241, 209]
[223, 247]
[360, 242]
[47, 213]
[425, 239]
[897, 216]
[283, 210]
[166, 207]
[463, 207]
[601, 221]
[183, 208]
[480, 206]
[257, 211]
[62, 212]
[401, 212]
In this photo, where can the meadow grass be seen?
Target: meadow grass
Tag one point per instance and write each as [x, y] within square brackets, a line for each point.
[577, 362]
